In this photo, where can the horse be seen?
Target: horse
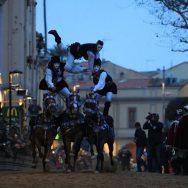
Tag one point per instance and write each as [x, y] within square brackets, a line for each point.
[99, 131]
[44, 131]
[72, 124]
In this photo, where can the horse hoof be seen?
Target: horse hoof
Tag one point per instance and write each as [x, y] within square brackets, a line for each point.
[96, 172]
[72, 154]
[69, 171]
[47, 160]
[33, 166]
[93, 157]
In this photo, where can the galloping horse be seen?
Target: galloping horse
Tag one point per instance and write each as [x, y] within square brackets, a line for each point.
[72, 124]
[99, 131]
[45, 131]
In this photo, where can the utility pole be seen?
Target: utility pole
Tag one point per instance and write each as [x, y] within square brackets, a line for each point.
[163, 93]
[45, 27]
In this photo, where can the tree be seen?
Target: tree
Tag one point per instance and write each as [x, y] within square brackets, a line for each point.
[174, 15]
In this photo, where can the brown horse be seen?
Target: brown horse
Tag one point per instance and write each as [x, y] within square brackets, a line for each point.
[99, 130]
[44, 132]
[72, 124]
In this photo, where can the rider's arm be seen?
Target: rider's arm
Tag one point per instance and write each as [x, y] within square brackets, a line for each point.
[48, 78]
[101, 82]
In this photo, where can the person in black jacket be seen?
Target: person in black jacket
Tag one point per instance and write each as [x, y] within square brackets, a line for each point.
[104, 85]
[54, 81]
[141, 142]
[89, 51]
[155, 140]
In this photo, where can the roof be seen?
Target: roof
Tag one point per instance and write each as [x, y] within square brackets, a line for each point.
[133, 83]
[121, 84]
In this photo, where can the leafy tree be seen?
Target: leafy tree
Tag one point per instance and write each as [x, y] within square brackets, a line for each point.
[174, 15]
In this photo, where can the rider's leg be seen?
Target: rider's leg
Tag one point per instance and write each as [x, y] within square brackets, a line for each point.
[56, 35]
[71, 67]
[98, 97]
[91, 58]
[107, 103]
[65, 93]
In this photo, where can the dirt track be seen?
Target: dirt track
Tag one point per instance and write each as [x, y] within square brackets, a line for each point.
[89, 180]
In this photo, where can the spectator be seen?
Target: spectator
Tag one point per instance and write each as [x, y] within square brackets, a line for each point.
[155, 139]
[181, 141]
[141, 143]
[124, 156]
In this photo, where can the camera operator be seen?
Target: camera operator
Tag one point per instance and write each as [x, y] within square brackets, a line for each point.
[155, 140]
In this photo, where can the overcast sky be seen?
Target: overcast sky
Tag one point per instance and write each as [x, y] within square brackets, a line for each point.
[129, 38]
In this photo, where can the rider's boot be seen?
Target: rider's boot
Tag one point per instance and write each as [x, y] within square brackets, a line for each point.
[67, 102]
[56, 35]
[106, 108]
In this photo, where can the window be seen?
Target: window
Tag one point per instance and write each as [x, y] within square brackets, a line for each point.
[131, 117]
[122, 76]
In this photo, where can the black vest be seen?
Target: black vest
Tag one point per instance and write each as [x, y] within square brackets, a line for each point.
[43, 85]
[96, 77]
[87, 47]
[73, 50]
[55, 74]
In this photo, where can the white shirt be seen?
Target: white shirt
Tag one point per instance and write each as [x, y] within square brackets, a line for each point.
[48, 77]
[100, 85]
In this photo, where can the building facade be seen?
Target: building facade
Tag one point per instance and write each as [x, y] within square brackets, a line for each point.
[17, 54]
[18, 43]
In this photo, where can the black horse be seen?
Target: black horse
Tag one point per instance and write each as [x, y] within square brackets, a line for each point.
[44, 131]
[72, 124]
[99, 129]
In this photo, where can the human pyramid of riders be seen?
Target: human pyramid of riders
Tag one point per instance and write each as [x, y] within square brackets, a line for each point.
[54, 80]
[71, 121]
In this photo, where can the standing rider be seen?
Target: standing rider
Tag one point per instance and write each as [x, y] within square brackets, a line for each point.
[104, 85]
[54, 80]
[89, 51]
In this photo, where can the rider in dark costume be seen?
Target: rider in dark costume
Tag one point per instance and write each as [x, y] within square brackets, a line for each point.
[104, 85]
[54, 80]
[89, 51]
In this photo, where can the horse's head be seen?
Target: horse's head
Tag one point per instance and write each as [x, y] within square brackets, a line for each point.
[74, 102]
[91, 107]
[49, 104]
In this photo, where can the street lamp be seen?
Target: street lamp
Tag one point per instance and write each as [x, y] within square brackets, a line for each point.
[11, 73]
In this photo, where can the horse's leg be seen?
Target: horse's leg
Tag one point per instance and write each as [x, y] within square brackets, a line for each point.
[77, 143]
[38, 145]
[101, 154]
[90, 141]
[65, 148]
[111, 148]
[44, 158]
[67, 144]
[33, 154]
